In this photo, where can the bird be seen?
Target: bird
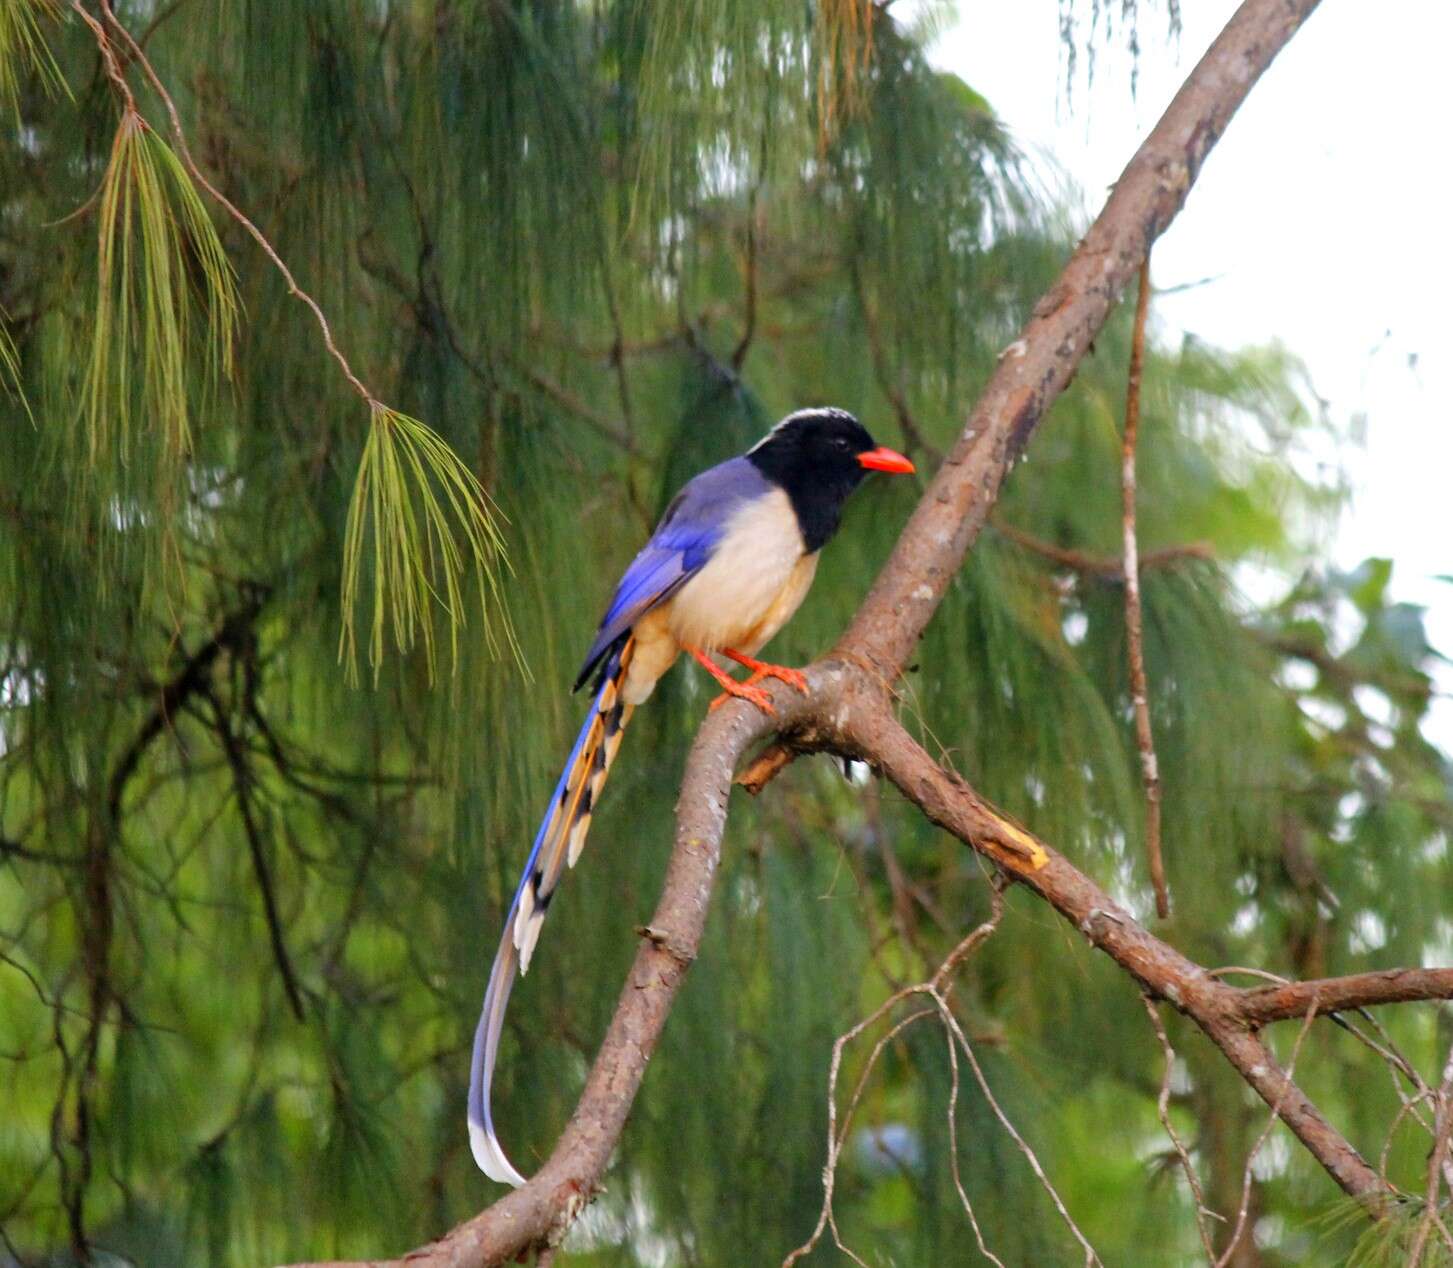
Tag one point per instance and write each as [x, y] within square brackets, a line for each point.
[727, 566]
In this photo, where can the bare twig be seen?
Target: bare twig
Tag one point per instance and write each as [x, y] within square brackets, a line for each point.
[1408, 1109]
[837, 1136]
[958, 1041]
[953, 1151]
[1162, 1106]
[951, 1022]
[1442, 1135]
[1134, 617]
[1108, 567]
[108, 60]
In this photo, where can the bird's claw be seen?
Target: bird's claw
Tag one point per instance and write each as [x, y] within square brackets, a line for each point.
[792, 677]
[745, 691]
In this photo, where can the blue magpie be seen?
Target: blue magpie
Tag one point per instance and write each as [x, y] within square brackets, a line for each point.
[728, 565]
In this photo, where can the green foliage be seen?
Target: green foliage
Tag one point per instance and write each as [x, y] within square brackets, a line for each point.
[10, 367]
[155, 244]
[537, 226]
[23, 49]
[410, 529]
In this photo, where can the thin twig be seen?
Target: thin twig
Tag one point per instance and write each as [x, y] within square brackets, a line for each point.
[1134, 617]
[1162, 1105]
[1110, 567]
[1407, 1110]
[836, 1136]
[108, 60]
[242, 784]
[998, 883]
[950, 1021]
[953, 1150]
[1443, 1134]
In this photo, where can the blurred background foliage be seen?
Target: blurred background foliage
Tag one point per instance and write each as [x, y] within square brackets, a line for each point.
[247, 909]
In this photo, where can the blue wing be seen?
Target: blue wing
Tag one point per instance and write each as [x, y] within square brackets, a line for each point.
[684, 540]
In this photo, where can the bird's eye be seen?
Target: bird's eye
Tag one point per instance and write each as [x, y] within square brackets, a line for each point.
[841, 442]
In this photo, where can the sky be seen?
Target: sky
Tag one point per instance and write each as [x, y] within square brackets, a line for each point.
[1321, 220]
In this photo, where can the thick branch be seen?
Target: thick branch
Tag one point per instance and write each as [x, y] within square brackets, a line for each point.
[540, 1212]
[864, 726]
[1031, 373]
[1037, 366]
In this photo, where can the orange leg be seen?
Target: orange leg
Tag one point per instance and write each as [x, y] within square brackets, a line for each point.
[731, 687]
[761, 669]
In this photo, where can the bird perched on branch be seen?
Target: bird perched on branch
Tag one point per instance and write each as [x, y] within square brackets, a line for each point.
[727, 566]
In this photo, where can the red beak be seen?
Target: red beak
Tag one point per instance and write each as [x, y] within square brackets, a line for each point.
[885, 459]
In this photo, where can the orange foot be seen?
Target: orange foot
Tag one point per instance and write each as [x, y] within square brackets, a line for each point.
[761, 669]
[731, 687]
[746, 691]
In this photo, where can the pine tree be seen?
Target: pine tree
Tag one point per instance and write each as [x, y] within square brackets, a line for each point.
[288, 619]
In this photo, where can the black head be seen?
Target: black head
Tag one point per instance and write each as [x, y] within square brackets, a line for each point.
[818, 457]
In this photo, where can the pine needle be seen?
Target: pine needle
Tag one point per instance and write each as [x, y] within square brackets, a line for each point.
[10, 368]
[23, 47]
[155, 247]
[411, 494]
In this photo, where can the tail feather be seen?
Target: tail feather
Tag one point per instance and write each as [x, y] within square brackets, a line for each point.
[558, 844]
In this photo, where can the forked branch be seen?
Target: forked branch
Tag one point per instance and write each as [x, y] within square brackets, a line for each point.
[850, 709]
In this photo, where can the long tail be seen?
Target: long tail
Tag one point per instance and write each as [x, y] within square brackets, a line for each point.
[558, 843]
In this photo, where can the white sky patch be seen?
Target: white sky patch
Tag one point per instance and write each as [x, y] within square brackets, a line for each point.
[1369, 932]
[1320, 221]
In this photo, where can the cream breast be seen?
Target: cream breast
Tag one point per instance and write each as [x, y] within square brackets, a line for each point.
[741, 590]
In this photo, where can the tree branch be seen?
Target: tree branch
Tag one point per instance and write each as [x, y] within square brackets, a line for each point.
[849, 703]
[242, 779]
[1108, 567]
[1338, 994]
[1134, 615]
